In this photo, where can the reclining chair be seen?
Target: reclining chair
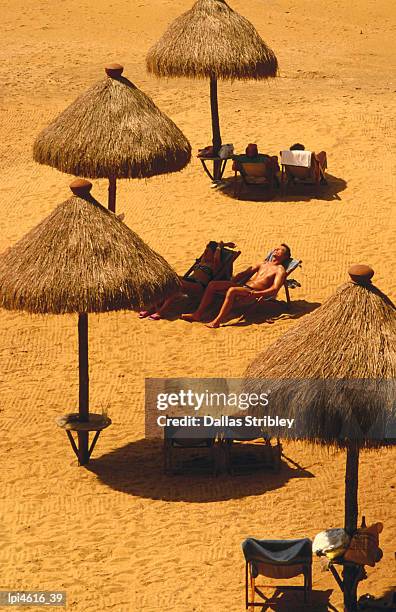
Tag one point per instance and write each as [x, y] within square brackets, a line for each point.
[261, 171]
[178, 439]
[304, 167]
[225, 272]
[267, 455]
[290, 265]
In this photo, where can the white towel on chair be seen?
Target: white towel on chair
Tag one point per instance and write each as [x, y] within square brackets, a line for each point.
[296, 158]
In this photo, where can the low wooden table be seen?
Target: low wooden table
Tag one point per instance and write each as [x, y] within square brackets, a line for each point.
[72, 422]
[217, 161]
[357, 573]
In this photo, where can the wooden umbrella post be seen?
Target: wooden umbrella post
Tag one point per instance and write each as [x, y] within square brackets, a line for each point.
[216, 141]
[350, 573]
[83, 452]
[112, 193]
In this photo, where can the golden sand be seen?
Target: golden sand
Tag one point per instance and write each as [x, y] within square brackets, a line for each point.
[121, 536]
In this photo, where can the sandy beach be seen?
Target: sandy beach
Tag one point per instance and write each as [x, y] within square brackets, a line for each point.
[120, 535]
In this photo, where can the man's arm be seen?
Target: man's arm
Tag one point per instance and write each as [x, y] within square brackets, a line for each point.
[279, 279]
[246, 274]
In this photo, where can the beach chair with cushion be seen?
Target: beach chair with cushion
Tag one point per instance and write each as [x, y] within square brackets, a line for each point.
[277, 559]
[260, 170]
[200, 445]
[303, 167]
[261, 453]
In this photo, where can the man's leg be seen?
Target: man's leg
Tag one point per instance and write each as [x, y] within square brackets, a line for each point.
[233, 294]
[207, 298]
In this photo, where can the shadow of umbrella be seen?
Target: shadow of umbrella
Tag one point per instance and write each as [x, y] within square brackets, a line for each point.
[137, 469]
[297, 193]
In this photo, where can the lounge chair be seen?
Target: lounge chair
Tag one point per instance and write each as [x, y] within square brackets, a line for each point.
[266, 455]
[225, 272]
[177, 439]
[290, 265]
[279, 559]
[304, 167]
[261, 171]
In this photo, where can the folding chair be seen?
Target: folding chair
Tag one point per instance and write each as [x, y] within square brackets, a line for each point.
[279, 559]
[304, 167]
[261, 172]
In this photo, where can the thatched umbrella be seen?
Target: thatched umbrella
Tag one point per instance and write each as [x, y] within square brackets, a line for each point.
[335, 373]
[83, 259]
[113, 131]
[211, 41]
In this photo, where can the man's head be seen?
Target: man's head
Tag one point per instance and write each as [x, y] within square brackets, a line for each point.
[297, 147]
[281, 253]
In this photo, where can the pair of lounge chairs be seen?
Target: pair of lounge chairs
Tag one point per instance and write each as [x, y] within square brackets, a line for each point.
[297, 167]
[225, 272]
[218, 446]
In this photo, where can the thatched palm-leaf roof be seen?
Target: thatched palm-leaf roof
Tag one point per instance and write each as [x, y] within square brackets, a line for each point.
[113, 129]
[335, 372]
[212, 40]
[82, 258]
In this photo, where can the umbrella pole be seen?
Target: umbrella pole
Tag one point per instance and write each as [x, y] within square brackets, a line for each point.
[83, 454]
[214, 107]
[112, 193]
[350, 573]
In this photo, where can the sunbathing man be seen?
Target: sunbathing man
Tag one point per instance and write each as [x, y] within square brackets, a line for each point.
[193, 285]
[264, 280]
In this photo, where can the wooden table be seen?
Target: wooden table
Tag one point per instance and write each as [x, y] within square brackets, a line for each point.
[356, 572]
[72, 422]
[219, 166]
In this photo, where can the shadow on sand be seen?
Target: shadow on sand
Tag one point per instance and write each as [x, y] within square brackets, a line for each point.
[300, 192]
[137, 469]
[286, 600]
[268, 312]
